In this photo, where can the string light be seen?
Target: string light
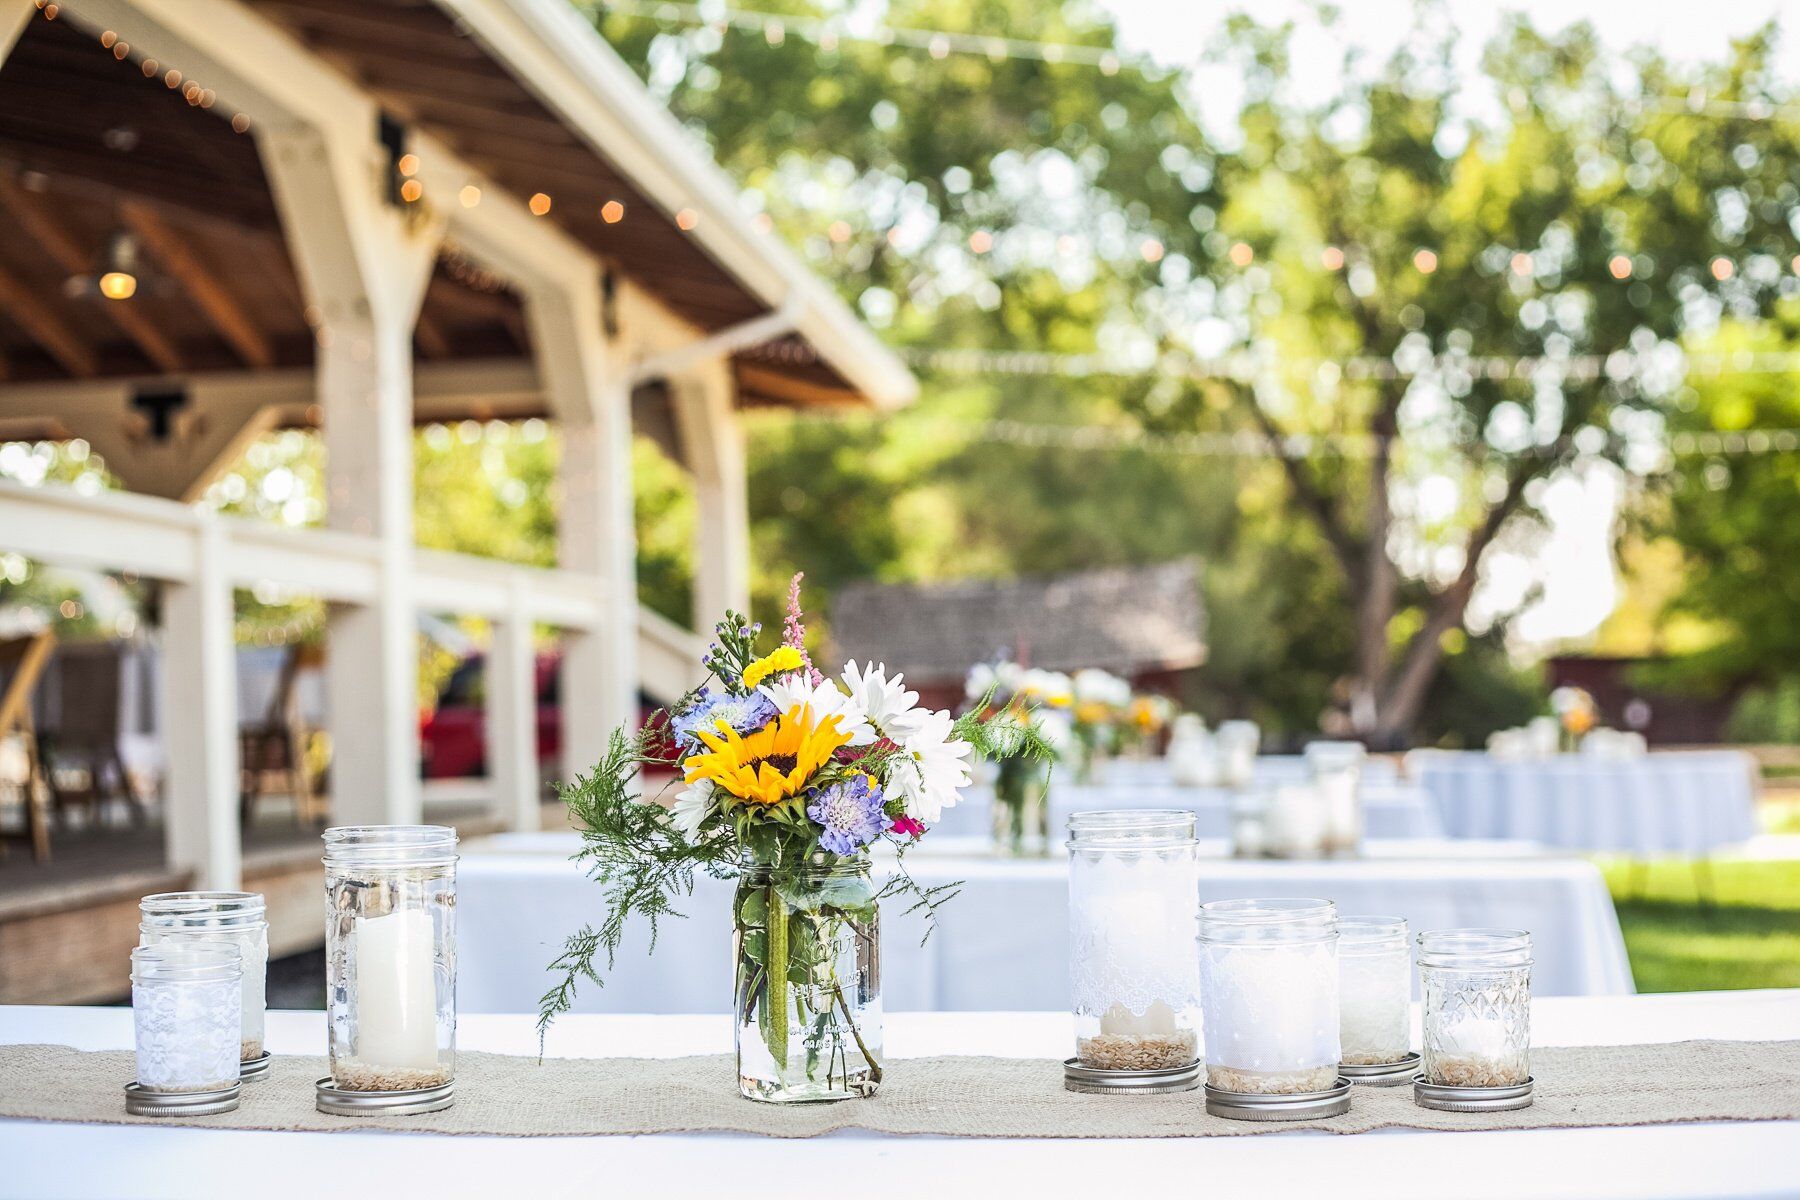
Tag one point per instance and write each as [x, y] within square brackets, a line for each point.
[941, 43]
[1248, 367]
[937, 43]
[539, 204]
[411, 190]
[686, 219]
[612, 212]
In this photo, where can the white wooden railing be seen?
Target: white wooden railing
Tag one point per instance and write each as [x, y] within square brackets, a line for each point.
[165, 540]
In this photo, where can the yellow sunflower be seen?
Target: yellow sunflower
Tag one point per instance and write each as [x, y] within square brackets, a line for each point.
[771, 764]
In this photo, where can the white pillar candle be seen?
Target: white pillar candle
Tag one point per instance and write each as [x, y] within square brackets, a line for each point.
[396, 990]
[1374, 997]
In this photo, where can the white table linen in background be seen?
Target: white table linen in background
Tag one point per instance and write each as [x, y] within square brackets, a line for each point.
[1683, 803]
[1003, 942]
[54, 1161]
[1390, 810]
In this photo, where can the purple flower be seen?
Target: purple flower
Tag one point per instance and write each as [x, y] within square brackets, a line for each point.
[743, 714]
[850, 813]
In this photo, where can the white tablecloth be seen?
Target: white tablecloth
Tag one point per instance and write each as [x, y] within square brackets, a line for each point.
[1686, 803]
[1390, 810]
[80, 1162]
[1003, 942]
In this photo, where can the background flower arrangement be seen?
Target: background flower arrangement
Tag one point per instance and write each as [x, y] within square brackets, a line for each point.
[784, 779]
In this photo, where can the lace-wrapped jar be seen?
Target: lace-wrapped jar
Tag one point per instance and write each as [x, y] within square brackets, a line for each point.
[1237, 743]
[1336, 770]
[1269, 987]
[236, 917]
[1477, 1019]
[1375, 999]
[187, 1014]
[390, 948]
[1133, 899]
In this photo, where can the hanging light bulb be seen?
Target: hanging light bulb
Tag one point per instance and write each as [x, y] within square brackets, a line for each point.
[119, 280]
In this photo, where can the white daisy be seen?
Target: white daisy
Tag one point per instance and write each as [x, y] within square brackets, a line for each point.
[932, 770]
[891, 707]
[827, 699]
[692, 807]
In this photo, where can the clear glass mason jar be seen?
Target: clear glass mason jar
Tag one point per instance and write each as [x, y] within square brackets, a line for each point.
[1374, 990]
[187, 1015]
[1238, 743]
[1269, 992]
[1336, 770]
[806, 941]
[1294, 821]
[1477, 1022]
[1134, 895]
[390, 949]
[236, 917]
[1021, 808]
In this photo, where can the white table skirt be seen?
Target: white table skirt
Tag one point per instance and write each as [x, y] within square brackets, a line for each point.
[1390, 810]
[1686, 803]
[1003, 942]
[47, 1161]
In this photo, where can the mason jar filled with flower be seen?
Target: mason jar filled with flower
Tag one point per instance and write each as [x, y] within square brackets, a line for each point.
[786, 779]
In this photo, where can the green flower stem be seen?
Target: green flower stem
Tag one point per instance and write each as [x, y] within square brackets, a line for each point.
[775, 996]
[856, 1032]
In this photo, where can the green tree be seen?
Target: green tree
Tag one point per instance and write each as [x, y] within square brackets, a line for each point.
[1729, 509]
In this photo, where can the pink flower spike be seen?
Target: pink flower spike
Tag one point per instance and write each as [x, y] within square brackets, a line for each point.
[911, 828]
[793, 630]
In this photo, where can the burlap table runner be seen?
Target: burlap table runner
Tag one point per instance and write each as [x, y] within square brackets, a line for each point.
[963, 1097]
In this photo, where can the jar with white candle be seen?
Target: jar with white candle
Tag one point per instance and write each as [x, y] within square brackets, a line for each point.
[1133, 900]
[1237, 742]
[1269, 995]
[1375, 1000]
[1477, 1016]
[1294, 821]
[1336, 770]
[390, 946]
[187, 1015]
[236, 917]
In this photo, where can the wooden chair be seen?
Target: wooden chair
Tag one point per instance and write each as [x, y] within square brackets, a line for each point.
[22, 662]
[274, 751]
[82, 756]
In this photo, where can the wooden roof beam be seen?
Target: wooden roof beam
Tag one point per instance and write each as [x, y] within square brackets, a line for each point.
[26, 308]
[29, 213]
[223, 309]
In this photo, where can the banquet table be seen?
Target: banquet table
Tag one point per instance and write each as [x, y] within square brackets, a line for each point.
[1002, 943]
[1686, 803]
[52, 1161]
[1390, 810]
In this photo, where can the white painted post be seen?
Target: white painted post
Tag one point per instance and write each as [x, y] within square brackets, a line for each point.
[199, 678]
[512, 715]
[704, 399]
[589, 390]
[364, 267]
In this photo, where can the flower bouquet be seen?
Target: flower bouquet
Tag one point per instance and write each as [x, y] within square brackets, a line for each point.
[1100, 700]
[1143, 723]
[1021, 807]
[786, 779]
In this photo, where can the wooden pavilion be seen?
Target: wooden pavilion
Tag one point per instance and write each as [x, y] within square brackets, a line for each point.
[358, 215]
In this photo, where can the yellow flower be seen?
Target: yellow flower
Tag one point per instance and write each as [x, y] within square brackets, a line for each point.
[771, 764]
[1060, 699]
[1092, 712]
[785, 658]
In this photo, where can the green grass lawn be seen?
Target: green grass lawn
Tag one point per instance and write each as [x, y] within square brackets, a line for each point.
[1750, 938]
